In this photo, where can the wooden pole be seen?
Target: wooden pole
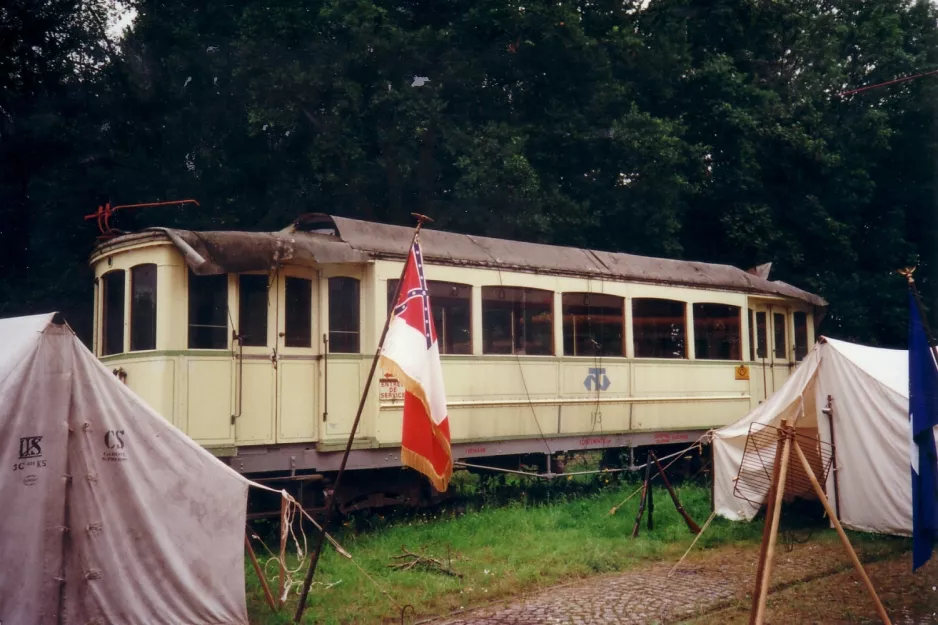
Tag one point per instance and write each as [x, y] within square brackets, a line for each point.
[921, 310]
[843, 535]
[767, 526]
[283, 548]
[677, 502]
[330, 504]
[763, 590]
[260, 575]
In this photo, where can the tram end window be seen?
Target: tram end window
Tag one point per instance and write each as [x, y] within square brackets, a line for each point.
[801, 335]
[252, 309]
[298, 312]
[659, 328]
[143, 307]
[344, 315]
[112, 322]
[517, 320]
[208, 311]
[762, 337]
[451, 307]
[778, 326]
[593, 324]
[752, 335]
[717, 332]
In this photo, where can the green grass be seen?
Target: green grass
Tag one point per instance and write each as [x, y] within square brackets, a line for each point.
[500, 551]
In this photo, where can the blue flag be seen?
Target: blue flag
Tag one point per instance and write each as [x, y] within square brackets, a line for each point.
[923, 416]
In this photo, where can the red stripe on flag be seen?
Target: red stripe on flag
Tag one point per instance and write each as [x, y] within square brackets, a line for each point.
[427, 443]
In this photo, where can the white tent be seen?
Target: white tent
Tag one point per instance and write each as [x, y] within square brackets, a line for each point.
[109, 514]
[869, 388]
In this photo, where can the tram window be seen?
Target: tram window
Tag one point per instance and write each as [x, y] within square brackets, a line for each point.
[752, 335]
[143, 307]
[761, 336]
[208, 311]
[113, 312]
[252, 310]
[717, 332]
[298, 312]
[778, 323]
[451, 305]
[659, 328]
[801, 335]
[344, 307]
[517, 320]
[593, 324]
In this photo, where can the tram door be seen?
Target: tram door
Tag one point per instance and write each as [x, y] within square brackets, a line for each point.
[761, 380]
[255, 364]
[342, 354]
[299, 356]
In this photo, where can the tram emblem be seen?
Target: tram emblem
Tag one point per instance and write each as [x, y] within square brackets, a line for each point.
[597, 378]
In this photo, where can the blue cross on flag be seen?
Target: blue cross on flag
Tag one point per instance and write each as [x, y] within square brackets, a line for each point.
[923, 417]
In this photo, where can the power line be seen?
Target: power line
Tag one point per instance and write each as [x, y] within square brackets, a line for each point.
[888, 82]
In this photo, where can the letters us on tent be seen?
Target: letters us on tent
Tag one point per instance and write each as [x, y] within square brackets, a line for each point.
[110, 514]
[869, 388]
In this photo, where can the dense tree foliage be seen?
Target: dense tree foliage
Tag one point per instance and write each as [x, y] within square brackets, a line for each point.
[703, 130]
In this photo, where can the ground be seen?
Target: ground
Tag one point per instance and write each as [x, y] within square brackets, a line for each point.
[813, 583]
[571, 561]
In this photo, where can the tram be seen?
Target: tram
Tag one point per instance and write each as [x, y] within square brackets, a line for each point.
[257, 344]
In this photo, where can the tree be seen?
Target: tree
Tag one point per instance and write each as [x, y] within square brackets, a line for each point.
[51, 54]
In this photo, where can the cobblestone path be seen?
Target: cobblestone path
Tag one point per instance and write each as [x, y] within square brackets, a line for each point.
[641, 596]
[647, 595]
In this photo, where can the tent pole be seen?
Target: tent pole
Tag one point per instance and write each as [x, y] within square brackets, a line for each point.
[843, 535]
[829, 411]
[330, 503]
[66, 541]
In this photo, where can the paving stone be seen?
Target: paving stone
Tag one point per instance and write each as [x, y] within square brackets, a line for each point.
[647, 595]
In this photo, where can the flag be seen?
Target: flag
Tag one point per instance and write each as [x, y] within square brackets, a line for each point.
[923, 417]
[411, 354]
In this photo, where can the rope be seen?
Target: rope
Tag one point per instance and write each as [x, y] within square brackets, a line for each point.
[550, 476]
[696, 538]
[664, 468]
[287, 526]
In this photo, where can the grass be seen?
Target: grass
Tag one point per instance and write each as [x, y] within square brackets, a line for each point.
[500, 551]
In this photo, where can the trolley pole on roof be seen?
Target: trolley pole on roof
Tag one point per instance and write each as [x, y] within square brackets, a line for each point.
[330, 504]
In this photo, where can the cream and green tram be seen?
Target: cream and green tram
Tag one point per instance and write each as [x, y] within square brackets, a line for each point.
[257, 344]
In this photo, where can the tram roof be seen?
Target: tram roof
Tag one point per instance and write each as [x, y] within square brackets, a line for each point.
[328, 239]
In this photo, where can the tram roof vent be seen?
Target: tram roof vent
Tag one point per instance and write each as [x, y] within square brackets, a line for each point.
[314, 222]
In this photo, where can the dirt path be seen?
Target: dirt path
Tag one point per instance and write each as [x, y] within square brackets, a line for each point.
[812, 583]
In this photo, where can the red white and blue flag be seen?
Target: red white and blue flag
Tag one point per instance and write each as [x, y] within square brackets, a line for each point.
[412, 355]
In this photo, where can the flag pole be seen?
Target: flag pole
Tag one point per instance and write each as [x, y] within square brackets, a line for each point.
[330, 504]
[921, 310]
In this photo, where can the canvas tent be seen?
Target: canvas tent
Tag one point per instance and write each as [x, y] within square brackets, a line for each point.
[869, 388]
[109, 514]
